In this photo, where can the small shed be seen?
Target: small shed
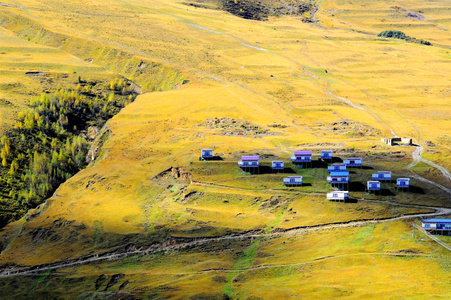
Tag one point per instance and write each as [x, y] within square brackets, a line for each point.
[397, 141]
[207, 154]
[302, 157]
[249, 162]
[326, 154]
[278, 165]
[353, 162]
[373, 186]
[336, 168]
[293, 181]
[437, 226]
[338, 195]
[382, 175]
[403, 183]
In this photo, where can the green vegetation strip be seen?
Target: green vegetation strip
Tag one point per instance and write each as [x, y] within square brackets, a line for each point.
[50, 140]
[396, 34]
[243, 262]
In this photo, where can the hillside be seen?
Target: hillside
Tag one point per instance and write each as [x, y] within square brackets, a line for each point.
[28, 69]
[147, 219]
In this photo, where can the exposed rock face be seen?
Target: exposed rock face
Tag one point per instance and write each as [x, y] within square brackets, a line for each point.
[262, 9]
[100, 139]
[348, 128]
[179, 173]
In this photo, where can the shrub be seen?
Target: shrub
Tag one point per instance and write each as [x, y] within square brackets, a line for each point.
[396, 34]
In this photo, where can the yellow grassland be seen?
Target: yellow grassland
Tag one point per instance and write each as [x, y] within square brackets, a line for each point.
[375, 261]
[17, 57]
[280, 72]
[402, 83]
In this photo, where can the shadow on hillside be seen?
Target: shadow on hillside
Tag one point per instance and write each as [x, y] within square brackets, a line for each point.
[415, 190]
[287, 171]
[350, 200]
[319, 164]
[213, 158]
[269, 170]
[366, 168]
[386, 192]
[356, 186]
[336, 160]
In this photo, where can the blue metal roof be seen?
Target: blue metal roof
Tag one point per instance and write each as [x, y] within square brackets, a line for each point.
[437, 221]
[339, 173]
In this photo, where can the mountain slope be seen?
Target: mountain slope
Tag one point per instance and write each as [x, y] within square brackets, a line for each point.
[254, 87]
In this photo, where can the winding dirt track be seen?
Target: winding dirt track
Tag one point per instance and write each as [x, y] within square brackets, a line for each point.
[196, 242]
[417, 158]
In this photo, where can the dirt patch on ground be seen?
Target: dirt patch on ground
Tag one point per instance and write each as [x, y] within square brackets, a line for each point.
[35, 73]
[176, 173]
[186, 197]
[348, 128]
[232, 127]
[274, 203]
[409, 14]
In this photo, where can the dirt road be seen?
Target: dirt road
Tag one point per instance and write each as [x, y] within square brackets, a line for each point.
[196, 242]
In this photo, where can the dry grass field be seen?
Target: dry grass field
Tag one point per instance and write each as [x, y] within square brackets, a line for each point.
[326, 84]
[47, 68]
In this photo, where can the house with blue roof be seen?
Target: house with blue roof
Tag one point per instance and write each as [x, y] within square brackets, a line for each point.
[437, 226]
[403, 183]
[336, 168]
[326, 155]
[206, 154]
[339, 179]
[338, 195]
[373, 186]
[302, 158]
[353, 162]
[278, 165]
[382, 176]
[249, 163]
[293, 181]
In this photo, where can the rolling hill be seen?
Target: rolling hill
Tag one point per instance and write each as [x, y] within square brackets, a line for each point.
[147, 219]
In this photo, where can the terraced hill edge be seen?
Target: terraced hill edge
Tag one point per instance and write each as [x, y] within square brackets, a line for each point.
[178, 243]
[119, 59]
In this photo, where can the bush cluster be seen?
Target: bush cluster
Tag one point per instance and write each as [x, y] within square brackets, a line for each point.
[396, 34]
